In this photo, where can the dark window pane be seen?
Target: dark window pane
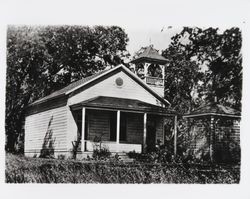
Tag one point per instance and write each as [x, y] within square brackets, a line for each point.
[123, 127]
[113, 117]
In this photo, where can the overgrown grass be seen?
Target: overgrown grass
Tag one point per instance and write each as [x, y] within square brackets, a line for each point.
[21, 169]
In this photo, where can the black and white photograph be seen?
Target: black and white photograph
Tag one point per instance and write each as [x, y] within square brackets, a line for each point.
[124, 103]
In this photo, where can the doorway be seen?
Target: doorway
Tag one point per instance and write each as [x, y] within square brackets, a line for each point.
[112, 123]
[151, 133]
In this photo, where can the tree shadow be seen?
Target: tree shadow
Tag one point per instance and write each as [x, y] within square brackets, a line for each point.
[48, 149]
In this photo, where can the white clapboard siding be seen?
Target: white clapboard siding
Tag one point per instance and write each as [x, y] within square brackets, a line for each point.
[130, 89]
[36, 126]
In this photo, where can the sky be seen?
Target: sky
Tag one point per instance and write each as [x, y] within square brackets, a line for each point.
[160, 38]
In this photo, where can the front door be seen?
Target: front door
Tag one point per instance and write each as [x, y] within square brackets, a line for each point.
[112, 122]
[151, 133]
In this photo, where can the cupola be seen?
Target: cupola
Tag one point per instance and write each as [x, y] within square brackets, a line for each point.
[149, 65]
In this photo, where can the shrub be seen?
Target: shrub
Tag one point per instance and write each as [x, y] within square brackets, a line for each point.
[101, 153]
[61, 157]
[164, 155]
[36, 170]
[75, 147]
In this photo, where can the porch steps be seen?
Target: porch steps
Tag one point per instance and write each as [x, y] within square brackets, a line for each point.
[84, 155]
[124, 157]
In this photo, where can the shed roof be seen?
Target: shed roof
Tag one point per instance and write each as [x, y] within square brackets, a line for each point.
[122, 104]
[214, 109]
[150, 54]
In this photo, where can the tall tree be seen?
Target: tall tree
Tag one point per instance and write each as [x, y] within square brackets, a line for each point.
[77, 51]
[25, 76]
[205, 63]
[41, 60]
[181, 77]
[224, 77]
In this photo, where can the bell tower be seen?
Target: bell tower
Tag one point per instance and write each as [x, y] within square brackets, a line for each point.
[149, 65]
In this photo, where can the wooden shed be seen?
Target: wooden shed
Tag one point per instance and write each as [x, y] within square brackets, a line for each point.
[114, 106]
[215, 132]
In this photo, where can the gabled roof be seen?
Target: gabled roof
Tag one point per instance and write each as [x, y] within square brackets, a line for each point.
[78, 84]
[150, 54]
[122, 104]
[69, 87]
[214, 109]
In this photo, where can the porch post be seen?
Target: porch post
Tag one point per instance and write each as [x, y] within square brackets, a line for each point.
[211, 138]
[83, 129]
[144, 133]
[118, 127]
[175, 135]
[146, 65]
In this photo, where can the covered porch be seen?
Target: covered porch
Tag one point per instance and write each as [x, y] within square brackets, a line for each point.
[120, 125]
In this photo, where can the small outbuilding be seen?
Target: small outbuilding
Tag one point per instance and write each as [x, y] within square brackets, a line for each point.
[215, 133]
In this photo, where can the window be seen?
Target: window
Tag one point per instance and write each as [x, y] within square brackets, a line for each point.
[86, 126]
[119, 81]
[154, 70]
[78, 118]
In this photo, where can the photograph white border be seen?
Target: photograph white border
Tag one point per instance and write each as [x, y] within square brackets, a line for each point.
[147, 14]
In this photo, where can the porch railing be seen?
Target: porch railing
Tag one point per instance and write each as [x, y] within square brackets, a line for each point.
[154, 81]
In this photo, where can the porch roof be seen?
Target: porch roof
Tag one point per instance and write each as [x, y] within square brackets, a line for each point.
[113, 103]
